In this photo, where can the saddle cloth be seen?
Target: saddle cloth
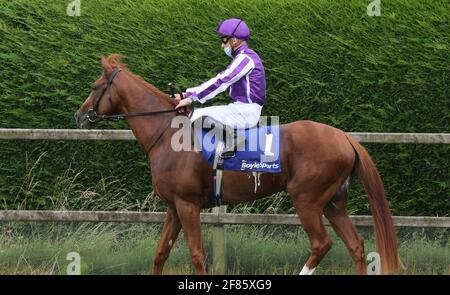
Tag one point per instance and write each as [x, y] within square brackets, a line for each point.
[261, 152]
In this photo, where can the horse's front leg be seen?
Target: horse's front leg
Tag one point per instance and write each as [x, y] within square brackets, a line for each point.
[169, 235]
[189, 214]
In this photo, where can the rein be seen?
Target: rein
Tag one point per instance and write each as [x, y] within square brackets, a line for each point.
[93, 115]
[139, 114]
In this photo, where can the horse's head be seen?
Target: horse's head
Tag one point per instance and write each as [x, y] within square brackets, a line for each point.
[121, 93]
[103, 99]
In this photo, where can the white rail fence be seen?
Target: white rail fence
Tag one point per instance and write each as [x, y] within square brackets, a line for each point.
[104, 134]
[219, 217]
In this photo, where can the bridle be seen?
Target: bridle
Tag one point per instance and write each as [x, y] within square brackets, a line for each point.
[93, 115]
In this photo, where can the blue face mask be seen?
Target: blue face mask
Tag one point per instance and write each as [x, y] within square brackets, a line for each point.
[228, 51]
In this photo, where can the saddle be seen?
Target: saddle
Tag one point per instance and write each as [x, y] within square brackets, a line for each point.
[258, 152]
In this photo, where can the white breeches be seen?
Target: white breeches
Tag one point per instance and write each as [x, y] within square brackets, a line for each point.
[237, 114]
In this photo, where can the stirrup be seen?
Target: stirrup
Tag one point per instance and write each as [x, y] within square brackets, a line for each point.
[228, 154]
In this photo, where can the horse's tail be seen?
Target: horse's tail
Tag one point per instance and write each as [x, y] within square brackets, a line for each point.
[385, 235]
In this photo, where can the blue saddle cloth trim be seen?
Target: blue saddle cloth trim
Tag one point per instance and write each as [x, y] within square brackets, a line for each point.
[256, 157]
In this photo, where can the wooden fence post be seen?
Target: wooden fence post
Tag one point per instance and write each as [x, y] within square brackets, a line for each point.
[218, 241]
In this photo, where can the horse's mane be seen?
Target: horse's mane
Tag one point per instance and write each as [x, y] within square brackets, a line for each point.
[115, 60]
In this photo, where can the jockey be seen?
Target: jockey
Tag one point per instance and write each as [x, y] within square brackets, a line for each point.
[245, 79]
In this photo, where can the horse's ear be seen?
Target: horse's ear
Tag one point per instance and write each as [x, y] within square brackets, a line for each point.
[106, 66]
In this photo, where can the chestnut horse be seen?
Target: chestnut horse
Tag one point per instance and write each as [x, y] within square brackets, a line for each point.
[317, 160]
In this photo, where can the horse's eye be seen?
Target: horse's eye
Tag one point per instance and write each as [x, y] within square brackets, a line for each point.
[93, 87]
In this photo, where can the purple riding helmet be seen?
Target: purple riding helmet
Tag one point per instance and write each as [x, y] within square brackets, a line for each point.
[234, 27]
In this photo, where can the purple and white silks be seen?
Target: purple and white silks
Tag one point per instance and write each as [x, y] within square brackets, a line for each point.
[245, 79]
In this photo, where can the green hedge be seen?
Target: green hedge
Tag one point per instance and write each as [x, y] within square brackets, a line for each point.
[325, 60]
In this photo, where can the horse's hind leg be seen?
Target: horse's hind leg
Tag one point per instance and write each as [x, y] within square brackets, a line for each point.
[336, 213]
[311, 218]
[169, 234]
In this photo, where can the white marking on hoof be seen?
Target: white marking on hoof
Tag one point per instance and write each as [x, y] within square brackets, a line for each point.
[347, 184]
[306, 271]
[170, 243]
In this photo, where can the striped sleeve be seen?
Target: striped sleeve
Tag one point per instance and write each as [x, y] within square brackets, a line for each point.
[240, 66]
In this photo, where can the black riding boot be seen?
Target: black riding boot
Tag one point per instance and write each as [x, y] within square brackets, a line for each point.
[237, 141]
[231, 139]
